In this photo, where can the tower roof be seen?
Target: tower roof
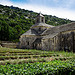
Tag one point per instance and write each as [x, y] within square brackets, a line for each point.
[40, 15]
[42, 25]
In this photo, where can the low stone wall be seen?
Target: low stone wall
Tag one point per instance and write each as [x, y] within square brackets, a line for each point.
[9, 45]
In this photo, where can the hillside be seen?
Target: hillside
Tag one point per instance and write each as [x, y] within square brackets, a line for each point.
[15, 21]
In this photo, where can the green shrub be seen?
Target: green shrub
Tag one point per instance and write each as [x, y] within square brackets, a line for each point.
[56, 67]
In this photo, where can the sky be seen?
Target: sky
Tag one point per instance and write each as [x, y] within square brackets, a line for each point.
[60, 8]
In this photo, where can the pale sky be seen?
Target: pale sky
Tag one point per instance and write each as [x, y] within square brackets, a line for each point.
[60, 8]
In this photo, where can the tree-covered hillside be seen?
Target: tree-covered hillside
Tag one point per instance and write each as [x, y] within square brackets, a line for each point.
[15, 21]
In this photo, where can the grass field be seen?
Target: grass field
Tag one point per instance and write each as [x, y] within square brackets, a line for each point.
[13, 57]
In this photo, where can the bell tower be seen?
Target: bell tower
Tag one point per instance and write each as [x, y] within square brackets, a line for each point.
[40, 18]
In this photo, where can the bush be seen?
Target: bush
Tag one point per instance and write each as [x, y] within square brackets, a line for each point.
[56, 67]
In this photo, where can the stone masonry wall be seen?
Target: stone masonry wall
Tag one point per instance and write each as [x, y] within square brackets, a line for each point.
[67, 41]
[62, 41]
[27, 41]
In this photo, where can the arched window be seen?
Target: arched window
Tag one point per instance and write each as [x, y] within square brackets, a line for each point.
[42, 19]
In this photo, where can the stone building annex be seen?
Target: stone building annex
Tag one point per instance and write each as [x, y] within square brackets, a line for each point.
[47, 37]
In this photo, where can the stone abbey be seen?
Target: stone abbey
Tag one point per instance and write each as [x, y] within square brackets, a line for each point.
[42, 36]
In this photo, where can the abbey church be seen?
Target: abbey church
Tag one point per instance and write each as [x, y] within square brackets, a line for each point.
[42, 36]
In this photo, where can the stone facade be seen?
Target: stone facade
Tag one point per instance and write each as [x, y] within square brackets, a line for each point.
[47, 37]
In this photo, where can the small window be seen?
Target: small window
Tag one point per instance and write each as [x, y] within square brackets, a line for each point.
[27, 43]
[42, 19]
[39, 29]
[37, 20]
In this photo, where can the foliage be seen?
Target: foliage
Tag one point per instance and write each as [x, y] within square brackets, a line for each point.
[46, 68]
[36, 62]
[15, 21]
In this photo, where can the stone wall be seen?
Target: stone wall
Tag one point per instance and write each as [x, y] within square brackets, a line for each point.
[67, 41]
[30, 42]
[62, 41]
[27, 41]
[51, 44]
[9, 45]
